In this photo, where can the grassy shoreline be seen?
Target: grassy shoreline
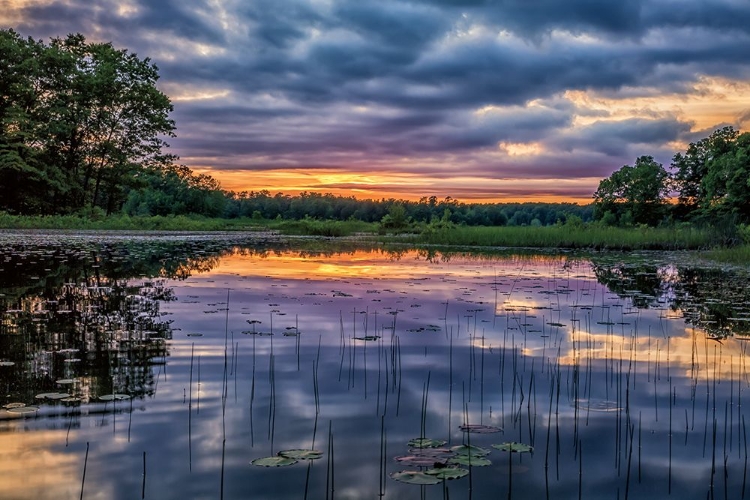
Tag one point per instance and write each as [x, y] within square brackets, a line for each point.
[579, 236]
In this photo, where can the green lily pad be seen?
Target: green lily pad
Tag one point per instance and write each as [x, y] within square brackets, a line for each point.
[421, 460]
[435, 453]
[447, 473]
[45, 395]
[301, 454]
[514, 447]
[414, 477]
[22, 410]
[426, 443]
[57, 395]
[10, 406]
[480, 429]
[114, 397]
[470, 460]
[277, 461]
[470, 450]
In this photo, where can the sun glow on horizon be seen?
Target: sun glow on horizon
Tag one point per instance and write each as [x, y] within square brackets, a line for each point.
[405, 186]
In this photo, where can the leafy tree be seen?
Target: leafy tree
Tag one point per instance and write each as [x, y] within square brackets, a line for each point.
[396, 217]
[634, 194]
[78, 121]
[727, 182]
[692, 168]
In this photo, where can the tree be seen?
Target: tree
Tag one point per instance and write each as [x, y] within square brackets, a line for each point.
[691, 169]
[727, 181]
[396, 217]
[635, 193]
[78, 120]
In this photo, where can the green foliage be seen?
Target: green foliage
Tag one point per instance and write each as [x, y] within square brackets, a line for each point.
[78, 122]
[693, 168]
[424, 211]
[124, 222]
[744, 233]
[731, 255]
[327, 228]
[396, 218]
[176, 190]
[634, 195]
[594, 236]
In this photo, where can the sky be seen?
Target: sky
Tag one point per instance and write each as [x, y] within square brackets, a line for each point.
[480, 100]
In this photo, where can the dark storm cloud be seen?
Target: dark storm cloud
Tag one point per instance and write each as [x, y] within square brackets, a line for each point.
[631, 18]
[305, 83]
[618, 138]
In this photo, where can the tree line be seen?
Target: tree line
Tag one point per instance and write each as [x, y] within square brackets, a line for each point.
[709, 183]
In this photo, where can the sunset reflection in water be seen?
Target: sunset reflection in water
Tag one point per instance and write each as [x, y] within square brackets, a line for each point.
[242, 352]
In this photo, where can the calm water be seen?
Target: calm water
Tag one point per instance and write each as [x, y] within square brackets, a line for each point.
[189, 357]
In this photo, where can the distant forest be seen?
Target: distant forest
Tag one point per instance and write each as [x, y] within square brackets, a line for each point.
[83, 131]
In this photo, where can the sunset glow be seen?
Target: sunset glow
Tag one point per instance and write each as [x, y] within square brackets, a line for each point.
[486, 103]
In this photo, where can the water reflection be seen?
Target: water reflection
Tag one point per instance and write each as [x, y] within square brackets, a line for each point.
[194, 357]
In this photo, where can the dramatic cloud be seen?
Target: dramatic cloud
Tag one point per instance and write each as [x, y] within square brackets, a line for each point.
[473, 99]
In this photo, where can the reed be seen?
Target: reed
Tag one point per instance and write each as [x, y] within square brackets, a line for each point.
[85, 463]
[589, 236]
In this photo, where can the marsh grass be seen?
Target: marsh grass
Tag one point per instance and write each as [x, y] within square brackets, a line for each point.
[731, 255]
[328, 228]
[126, 222]
[567, 236]
[590, 236]
[304, 227]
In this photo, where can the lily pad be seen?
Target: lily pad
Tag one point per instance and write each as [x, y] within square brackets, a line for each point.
[301, 454]
[45, 395]
[368, 338]
[470, 450]
[447, 473]
[421, 460]
[65, 381]
[436, 453]
[10, 406]
[414, 477]
[57, 395]
[114, 397]
[22, 410]
[470, 460]
[514, 447]
[480, 428]
[7, 363]
[426, 443]
[277, 461]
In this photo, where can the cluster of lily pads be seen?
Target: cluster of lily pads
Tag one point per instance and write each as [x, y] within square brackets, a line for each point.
[287, 457]
[436, 463]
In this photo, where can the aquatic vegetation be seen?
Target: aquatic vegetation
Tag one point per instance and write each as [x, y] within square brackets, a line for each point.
[277, 461]
[514, 447]
[415, 477]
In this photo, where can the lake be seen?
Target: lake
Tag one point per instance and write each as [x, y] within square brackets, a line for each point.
[230, 366]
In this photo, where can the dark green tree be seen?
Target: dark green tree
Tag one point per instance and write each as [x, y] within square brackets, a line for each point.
[78, 121]
[726, 185]
[634, 194]
[691, 169]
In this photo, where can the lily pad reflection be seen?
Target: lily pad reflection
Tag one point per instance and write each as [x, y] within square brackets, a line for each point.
[414, 477]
